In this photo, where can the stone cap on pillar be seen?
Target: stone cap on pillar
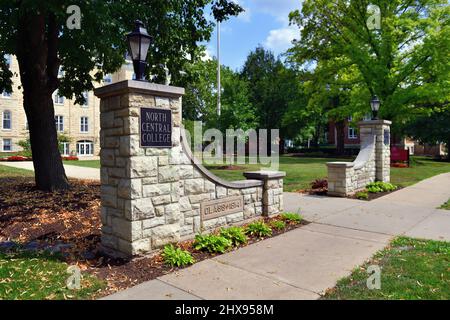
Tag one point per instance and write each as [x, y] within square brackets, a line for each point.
[264, 175]
[339, 164]
[134, 86]
[375, 122]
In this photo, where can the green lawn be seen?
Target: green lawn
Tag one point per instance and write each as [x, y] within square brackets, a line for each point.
[411, 269]
[446, 205]
[84, 163]
[33, 276]
[302, 171]
[10, 172]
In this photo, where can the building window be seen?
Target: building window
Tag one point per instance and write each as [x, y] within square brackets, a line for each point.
[85, 148]
[107, 78]
[59, 121]
[6, 94]
[7, 145]
[86, 99]
[84, 124]
[65, 151]
[352, 133]
[57, 99]
[6, 120]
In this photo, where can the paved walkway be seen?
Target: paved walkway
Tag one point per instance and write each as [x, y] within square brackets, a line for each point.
[303, 263]
[75, 172]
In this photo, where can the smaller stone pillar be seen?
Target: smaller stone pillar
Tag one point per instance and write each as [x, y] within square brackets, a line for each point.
[381, 129]
[272, 190]
[372, 164]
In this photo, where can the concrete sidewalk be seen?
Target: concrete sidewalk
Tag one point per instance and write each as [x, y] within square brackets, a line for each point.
[410, 211]
[75, 172]
[303, 263]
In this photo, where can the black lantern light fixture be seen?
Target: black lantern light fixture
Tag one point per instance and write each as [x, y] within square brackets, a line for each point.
[139, 42]
[375, 106]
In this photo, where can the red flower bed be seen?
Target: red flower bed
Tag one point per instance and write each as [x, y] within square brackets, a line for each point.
[70, 158]
[16, 158]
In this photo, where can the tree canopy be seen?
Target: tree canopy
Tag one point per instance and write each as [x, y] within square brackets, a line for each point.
[405, 61]
[38, 33]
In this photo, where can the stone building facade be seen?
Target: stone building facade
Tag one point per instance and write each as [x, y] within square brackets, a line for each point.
[153, 196]
[81, 123]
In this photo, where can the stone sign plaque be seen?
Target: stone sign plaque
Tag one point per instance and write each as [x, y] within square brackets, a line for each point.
[221, 207]
[156, 128]
[387, 137]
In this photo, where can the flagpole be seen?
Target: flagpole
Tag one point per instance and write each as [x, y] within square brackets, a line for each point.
[219, 87]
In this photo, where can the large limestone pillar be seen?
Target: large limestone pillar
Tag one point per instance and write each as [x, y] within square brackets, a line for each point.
[139, 186]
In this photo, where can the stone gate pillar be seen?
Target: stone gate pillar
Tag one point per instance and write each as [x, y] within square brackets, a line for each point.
[139, 187]
[372, 164]
[381, 130]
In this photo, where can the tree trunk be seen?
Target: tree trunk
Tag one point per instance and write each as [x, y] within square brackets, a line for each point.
[340, 137]
[38, 64]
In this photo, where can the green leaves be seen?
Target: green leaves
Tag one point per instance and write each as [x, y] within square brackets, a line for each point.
[259, 229]
[235, 234]
[212, 243]
[291, 217]
[379, 186]
[176, 257]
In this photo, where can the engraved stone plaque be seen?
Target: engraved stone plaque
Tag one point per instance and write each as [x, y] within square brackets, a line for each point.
[156, 128]
[221, 207]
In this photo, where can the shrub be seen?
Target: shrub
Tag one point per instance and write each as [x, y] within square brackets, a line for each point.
[258, 229]
[16, 158]
[211, 243]
[291, 217]
[235, 234]
[379, 186]
[70, 158]
[176, 257]
[26, 147]
[319, 184]
[362, 195]
[278, 225]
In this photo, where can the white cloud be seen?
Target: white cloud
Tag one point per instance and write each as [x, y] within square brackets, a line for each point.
[279, 40]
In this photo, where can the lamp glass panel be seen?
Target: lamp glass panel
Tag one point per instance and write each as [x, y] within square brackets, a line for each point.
[134, 46]
[145, 44]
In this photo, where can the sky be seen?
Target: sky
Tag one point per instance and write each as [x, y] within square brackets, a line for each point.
[264, 22]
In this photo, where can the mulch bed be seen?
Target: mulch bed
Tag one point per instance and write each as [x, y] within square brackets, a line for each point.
[323, 192]
[69, 224]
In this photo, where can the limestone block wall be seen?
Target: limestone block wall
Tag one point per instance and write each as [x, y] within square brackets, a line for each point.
[154, 196]
[372, 163]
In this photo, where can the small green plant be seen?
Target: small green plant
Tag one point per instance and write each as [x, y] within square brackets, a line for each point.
[259, 229]
[211, 243]
[235, 234]
[278, 225]
[176, 257]
[362, 195]
[379, 186]
[291, 217]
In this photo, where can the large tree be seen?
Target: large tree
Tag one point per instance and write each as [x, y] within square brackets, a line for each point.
[272, 87]
[404, 60]
[38, 33]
